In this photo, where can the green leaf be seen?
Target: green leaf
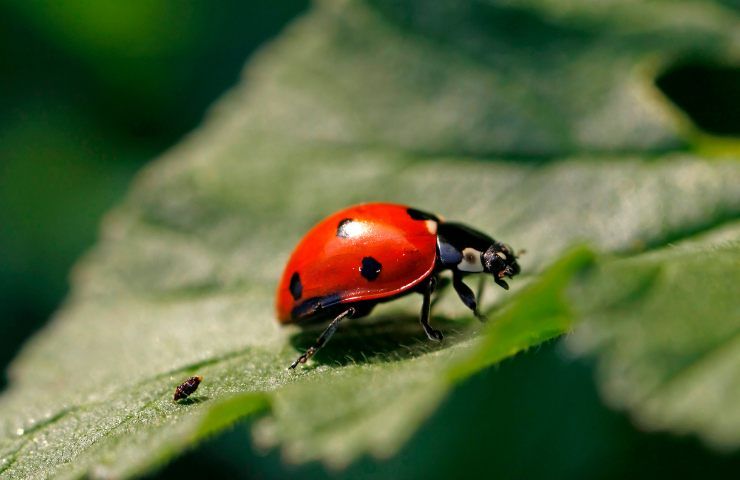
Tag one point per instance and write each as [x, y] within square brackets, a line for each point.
[517, 77]
[397, 395]
[664, 327]
[359, 102]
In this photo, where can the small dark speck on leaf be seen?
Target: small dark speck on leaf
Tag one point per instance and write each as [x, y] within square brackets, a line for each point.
[187, 388]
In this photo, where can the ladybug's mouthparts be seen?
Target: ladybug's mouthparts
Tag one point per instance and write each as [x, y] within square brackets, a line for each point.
[506, 272]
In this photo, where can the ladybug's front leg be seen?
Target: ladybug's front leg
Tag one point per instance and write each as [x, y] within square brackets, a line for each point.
[466, 295]
[426, 307]
[323, 338]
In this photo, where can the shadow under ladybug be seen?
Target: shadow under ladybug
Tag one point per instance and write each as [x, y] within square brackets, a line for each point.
[381, 338]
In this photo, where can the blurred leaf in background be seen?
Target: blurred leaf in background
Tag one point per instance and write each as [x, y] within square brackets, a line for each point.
[539, 120]
[89, 91]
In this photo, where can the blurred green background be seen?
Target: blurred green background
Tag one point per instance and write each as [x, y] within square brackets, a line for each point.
[90, 91]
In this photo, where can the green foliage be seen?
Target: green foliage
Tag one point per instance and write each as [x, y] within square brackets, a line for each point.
[665, 328]
[89, 92]
[522, 131]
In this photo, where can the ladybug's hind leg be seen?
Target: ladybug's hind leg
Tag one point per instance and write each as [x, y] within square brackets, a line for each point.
[324, 337]
[426, 307]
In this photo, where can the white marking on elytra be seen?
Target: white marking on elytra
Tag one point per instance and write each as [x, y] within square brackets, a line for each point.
[431, 226]
[354, 229]
[471, 261]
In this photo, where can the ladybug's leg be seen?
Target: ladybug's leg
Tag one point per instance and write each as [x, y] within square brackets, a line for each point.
[479, 292]
[324, 337]
[442, 284]
[426, 306]
[466, 295]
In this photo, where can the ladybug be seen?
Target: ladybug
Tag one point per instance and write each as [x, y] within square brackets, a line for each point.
[376, 252]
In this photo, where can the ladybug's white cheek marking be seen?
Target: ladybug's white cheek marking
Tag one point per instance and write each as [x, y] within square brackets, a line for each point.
[431, 226]
[471, 261]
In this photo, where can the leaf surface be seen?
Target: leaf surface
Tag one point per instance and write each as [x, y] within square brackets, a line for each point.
[538, 124]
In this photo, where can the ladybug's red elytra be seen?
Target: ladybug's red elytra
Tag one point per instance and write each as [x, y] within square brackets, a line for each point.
[376, 252]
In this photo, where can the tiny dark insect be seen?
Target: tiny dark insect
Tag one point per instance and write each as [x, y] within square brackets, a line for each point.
[187, 388]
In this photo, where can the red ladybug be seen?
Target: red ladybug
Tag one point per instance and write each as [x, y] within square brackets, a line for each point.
[376, 252]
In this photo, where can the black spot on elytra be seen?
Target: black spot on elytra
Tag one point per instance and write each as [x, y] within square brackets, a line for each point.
[419, 215]
[370, 268]
[296, 288]
[342, 231]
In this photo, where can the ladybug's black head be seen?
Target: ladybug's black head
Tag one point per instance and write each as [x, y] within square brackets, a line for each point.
[466, 250]
[499, 259]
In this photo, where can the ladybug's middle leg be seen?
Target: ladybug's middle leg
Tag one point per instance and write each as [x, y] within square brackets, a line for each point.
[324, 337]
[426, 306]
[439, 289]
